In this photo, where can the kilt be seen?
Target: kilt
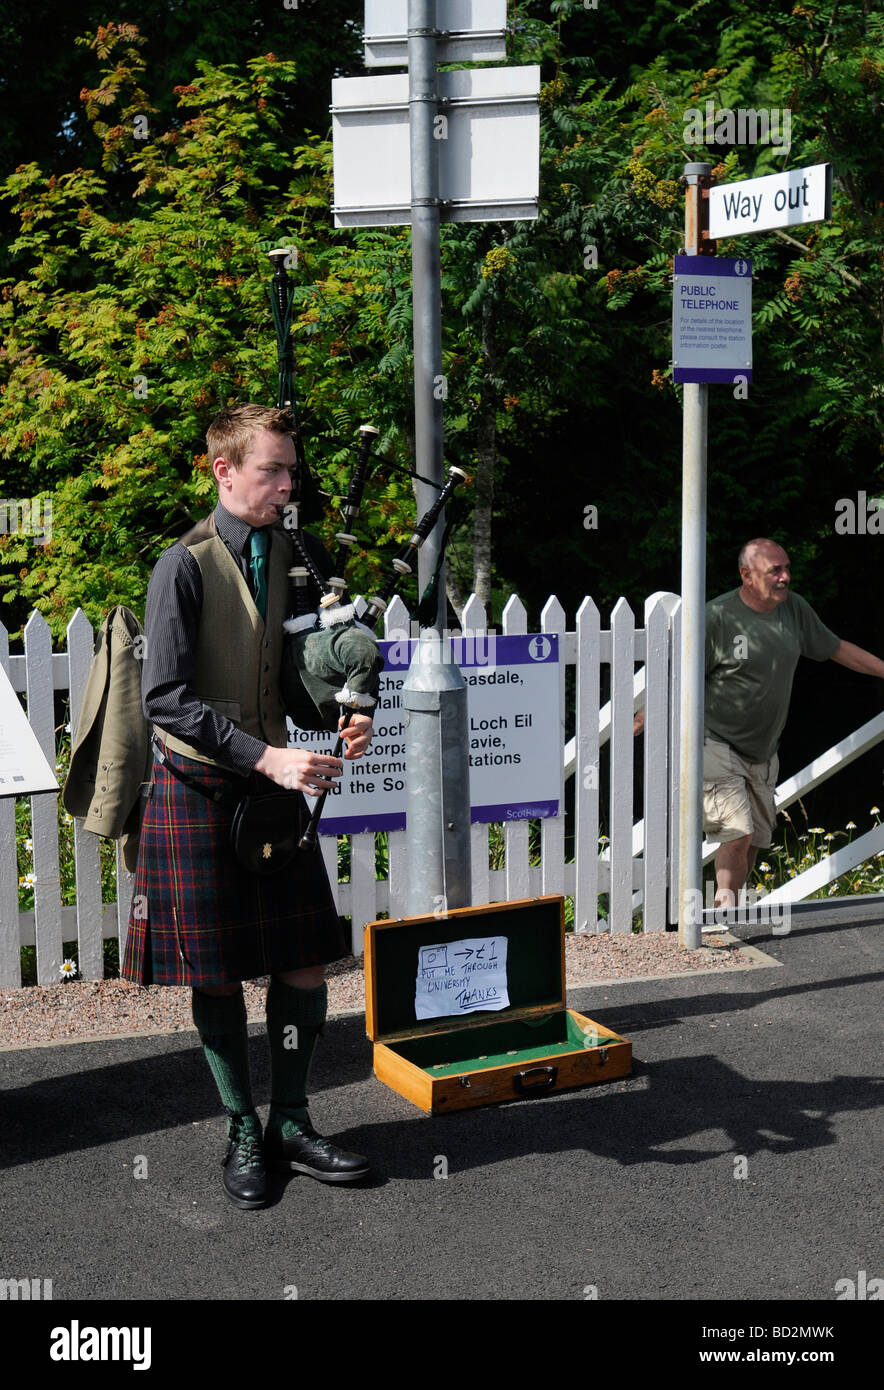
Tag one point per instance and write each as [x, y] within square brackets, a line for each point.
[198, 917]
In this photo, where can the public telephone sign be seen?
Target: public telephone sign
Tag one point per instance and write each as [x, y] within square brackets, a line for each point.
[711, 319]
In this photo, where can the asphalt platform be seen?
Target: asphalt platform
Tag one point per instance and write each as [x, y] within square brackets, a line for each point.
[740, 1161]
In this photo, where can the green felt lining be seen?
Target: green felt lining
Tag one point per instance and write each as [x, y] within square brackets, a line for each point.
[498, 1044]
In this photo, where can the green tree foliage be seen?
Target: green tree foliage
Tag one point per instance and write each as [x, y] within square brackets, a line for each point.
[125, 334]
[44, 68]
[618, 131]
[145, 264]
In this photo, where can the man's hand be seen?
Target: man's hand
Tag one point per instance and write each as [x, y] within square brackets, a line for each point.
[638, 722]
[357, 735]
[297, 770]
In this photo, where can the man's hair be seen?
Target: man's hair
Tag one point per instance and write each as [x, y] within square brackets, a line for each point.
[231, 432]
[743, 557]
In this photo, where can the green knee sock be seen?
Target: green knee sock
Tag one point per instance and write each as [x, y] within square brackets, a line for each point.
[221, 1022]
[294, 1021]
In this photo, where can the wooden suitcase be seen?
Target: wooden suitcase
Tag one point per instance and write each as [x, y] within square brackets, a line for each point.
[532, 1046]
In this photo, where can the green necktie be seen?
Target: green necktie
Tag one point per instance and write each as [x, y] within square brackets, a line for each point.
[260, 541]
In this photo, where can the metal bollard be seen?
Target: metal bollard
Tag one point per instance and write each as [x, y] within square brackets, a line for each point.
[437, 797]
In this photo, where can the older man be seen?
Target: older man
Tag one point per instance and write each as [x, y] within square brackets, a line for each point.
[754, 637]
[211, 688]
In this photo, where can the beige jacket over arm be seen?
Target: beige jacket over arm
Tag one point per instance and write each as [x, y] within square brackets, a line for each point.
[111, 759]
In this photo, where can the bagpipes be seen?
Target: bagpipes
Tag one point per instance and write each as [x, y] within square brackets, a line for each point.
[331, 662]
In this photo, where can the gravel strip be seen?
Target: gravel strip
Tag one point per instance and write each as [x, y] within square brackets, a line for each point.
[76, 1010]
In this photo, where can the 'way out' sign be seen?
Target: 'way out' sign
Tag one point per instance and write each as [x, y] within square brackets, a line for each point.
[778, 200]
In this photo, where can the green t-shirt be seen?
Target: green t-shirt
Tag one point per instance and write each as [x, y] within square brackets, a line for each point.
[750, 662]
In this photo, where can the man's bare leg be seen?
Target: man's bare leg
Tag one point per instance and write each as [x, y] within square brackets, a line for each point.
[311, 977]
[733, 863]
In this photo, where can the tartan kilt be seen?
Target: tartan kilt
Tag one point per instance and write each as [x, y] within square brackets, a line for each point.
[198, 917]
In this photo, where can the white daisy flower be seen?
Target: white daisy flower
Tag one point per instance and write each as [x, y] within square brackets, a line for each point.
[29, 846]
[851, 825]
[68, 970]
[28, 881]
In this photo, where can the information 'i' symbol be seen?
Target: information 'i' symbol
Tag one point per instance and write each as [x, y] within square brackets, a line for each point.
[539, 649]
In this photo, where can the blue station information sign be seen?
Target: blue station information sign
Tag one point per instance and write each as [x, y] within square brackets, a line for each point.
[515, 736]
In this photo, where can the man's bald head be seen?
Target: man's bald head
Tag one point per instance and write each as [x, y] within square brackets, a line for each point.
[765, 572]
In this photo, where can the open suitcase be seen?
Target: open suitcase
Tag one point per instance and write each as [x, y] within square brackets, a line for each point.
[499, 970]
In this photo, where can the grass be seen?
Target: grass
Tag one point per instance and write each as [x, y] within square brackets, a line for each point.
[804, 845]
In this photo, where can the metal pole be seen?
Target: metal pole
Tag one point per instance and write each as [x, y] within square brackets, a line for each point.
[426, 274]
[434, 695]
[693, 597]
[434, 698]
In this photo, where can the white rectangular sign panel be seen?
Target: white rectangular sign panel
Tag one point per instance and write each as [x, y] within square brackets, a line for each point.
[23, 768]
[475, 31]
[779, 200]
[489, 147]
[514, 737]
[711, 319]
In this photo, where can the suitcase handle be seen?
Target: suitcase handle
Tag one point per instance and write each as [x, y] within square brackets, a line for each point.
[547, 1079]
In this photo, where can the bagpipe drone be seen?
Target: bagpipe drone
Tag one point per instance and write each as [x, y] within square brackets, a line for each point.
[331, 662]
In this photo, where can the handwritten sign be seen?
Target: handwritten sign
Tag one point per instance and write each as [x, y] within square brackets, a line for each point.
[461, 977]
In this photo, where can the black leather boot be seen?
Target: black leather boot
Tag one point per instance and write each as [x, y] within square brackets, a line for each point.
[307, 1152]
[245, 1177]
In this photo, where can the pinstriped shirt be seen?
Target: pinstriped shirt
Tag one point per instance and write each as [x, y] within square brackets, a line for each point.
[171, 625]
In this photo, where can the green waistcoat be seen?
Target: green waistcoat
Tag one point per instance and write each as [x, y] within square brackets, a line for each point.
[238, 653]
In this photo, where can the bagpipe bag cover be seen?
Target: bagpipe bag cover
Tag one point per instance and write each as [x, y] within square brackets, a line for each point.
[321, 662]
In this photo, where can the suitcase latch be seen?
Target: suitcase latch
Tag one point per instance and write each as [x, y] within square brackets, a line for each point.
[464, 1081]
[603, 1056]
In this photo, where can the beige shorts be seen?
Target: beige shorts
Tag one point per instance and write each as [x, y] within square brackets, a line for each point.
[738, 796]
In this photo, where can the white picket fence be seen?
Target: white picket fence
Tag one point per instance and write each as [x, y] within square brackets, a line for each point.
[634, 863]
[613, 867]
